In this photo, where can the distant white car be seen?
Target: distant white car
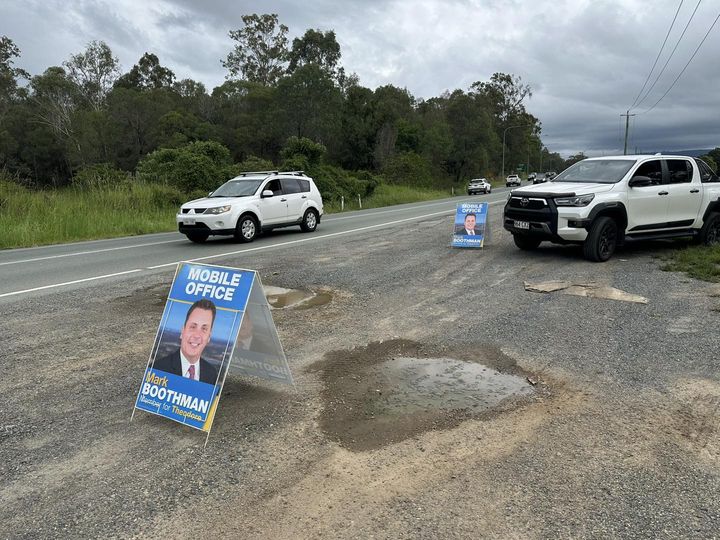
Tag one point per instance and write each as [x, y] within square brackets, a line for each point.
[478, 185]
[253, 202]
[512, 180]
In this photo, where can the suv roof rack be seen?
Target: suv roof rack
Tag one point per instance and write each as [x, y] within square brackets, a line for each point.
[296, 173]
[247, 173]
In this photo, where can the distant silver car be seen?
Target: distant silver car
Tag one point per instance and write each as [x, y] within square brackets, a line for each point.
[478, 185]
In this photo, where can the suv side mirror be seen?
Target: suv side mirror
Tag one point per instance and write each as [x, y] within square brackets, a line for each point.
[267, 193]
[640, 181]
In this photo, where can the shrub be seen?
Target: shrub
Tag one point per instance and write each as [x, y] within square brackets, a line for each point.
[254, 163]
[408, 169]
[303, 146]
[196, 166]
[100, 176]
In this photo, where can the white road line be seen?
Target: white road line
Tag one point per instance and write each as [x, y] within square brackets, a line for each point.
[259, 248]
[90, 252]
[69, 283]
[330, 235]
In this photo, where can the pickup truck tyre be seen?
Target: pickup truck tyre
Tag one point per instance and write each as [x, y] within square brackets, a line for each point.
[710, 232]
[197, 237]
[601, 241]
[309, 221]
[526, 243]
[246, 229]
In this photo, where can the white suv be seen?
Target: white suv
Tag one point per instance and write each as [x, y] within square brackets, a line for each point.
[512, 180]
[253, 202]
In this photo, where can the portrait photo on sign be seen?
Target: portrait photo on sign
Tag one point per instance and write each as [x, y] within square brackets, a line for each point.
[195, 340]
[467, 224]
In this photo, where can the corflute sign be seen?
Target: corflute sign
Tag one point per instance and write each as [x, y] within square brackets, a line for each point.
[469, 226]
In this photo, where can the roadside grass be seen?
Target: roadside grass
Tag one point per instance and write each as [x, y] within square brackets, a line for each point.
[385, 195]
[54, 216]
[32, 218]
[700, 262]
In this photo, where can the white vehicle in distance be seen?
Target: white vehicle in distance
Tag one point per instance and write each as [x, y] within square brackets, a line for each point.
[478, 185]
[512, 180]
[253, 202]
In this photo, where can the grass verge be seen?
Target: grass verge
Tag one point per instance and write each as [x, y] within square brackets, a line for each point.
[32, 218]
[385, 195]
[700, 262]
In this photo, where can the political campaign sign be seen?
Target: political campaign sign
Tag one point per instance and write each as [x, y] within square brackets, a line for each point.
[200, 327]
[469, 225]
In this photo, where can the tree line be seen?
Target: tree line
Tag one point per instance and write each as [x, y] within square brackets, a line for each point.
[282, 105]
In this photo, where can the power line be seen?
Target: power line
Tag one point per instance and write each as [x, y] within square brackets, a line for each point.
[662, 47]
[671, 54]
[686, 65]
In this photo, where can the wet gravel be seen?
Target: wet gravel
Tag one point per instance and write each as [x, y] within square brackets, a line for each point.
[623, 442]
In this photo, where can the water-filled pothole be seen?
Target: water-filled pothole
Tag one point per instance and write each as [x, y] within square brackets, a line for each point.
[408, 385]
[280, 298]
[390, 391]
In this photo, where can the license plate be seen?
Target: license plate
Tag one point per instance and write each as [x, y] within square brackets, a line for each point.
[192, 221]
[522, 224]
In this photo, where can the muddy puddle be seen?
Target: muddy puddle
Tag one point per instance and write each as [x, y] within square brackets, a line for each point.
[280, 298]
[387, 392]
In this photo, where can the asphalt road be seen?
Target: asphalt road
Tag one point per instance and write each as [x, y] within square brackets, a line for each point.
[616, 434]
[35, 271]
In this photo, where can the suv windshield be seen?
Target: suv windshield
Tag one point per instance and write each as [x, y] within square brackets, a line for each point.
[238, 188]
[597, 171]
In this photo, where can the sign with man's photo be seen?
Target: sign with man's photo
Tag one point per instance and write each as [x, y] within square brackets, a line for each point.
[206, 316]
[470, 224]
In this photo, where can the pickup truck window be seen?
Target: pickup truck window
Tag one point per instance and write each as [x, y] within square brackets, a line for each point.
[597, 171]
[680, 171]
[652, 169]
[706, 173]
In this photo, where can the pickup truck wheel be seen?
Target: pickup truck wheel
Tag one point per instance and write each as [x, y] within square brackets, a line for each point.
[601, 242]
[526, 243]
[197, 237]
[710, 232]
[246, 229]
[310, 221]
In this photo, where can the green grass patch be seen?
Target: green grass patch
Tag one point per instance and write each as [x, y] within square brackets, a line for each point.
[387, 195]
[32, 218]
[700, 262]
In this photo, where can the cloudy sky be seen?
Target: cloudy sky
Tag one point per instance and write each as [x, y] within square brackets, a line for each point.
[585, 60]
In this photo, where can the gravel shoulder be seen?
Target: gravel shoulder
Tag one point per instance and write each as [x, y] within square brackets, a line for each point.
[621, 437]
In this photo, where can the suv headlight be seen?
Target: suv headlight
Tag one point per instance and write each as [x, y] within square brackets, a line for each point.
[578, 200]
[217, 210]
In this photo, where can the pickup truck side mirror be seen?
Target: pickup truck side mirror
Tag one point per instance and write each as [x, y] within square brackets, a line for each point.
[640, 181]
[267, 193]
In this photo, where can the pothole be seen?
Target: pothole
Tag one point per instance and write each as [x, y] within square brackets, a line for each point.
[280, 298]
[390, 391]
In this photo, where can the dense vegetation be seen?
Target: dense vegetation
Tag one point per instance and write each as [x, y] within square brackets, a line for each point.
[283, 105]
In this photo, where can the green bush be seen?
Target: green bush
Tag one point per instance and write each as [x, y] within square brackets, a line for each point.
[254, 163]
[196, 166]
[100, 176]
[408, 169]
[303, 146]
[334, 182]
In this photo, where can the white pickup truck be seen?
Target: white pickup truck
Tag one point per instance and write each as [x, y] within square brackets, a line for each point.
[603, 202]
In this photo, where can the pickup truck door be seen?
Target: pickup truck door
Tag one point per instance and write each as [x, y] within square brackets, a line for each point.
[682, 182]
[648, 205]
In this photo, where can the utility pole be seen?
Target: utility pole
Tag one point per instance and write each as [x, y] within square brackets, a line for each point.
[627, 116]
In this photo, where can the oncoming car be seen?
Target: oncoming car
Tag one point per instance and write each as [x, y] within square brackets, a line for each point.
[512, 180]
[478, 185]
[253, 202]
